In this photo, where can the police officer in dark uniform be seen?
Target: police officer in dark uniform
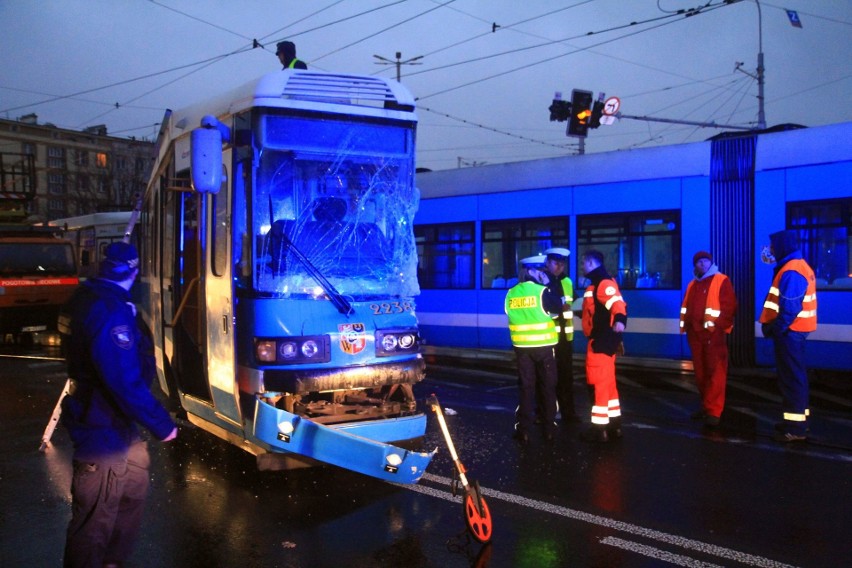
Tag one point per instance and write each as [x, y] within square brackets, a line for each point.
[110, 364]
[561, 285]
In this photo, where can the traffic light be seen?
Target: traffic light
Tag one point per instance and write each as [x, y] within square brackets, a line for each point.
[597, 112]
[560, 110]
[581, 113]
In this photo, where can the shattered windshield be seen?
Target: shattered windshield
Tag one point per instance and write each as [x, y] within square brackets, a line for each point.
[334, 203]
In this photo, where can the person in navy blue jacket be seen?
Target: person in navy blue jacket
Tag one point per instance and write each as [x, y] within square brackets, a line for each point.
[110, 364]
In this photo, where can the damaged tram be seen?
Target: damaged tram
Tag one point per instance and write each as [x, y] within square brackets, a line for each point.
[280, 269]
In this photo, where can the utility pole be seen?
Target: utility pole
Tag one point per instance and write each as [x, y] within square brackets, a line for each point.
[399, 63]
[761, 114]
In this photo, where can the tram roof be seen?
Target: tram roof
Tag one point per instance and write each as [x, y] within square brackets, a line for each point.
[305, 90]
[92, 219]
[775, 150]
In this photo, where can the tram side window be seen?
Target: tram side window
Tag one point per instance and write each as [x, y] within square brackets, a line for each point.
[506, 242]
[825, 230]
[642, 250]
[445, 255]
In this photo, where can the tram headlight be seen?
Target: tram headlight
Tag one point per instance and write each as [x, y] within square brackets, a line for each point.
[396, 342]
[293, 350]
[265, 350]
[389, 342]
[288, 350]
[310, 348]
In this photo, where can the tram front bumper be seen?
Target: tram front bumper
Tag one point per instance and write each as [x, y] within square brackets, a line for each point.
[343, 445]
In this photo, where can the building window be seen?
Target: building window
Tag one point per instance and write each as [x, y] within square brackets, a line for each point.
[81, 158]
[101, 160]
[140, 165]
[445, 255]
[825, 229]
[56, 157]
[641, 250]
[28, 149]
[82, 183]
[56, 205]
[56, 184]
[103, 185]
[121, 163]
[505, 243]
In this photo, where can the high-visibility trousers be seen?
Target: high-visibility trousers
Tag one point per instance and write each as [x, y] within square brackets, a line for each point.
[600, 375]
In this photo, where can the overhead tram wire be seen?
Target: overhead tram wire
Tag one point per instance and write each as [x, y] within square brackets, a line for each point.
[191, 17]
[341, 20]
[548, 59]
[211, 59]
[678, 16]
[501, 27]
[383, 30]
[548, 43]
[146, 93]
[491, 128]
[128, 81]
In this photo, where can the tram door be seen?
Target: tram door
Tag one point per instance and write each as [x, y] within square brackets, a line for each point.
[183, 259]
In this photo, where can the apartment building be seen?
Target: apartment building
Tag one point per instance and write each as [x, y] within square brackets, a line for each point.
[48, 172]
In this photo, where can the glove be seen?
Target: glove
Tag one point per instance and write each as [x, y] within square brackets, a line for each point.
[768, 329]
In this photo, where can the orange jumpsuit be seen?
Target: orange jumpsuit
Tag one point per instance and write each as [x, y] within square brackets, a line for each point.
[602, 307]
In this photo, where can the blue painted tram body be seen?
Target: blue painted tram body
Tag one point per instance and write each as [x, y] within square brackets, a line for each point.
[649, 210]
[280, 271]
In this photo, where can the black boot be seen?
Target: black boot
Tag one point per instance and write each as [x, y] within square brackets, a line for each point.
[614, 428]
[597, 434]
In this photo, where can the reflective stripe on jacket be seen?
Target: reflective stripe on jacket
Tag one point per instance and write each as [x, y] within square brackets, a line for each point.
[713, 307]
[806, 319]
[530, 325]
[567, 312]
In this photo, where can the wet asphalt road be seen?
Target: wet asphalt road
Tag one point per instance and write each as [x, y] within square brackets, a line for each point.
[668, 494]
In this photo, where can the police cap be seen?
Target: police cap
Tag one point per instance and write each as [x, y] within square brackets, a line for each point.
[536, 261]
[558, 253]
[119, 260]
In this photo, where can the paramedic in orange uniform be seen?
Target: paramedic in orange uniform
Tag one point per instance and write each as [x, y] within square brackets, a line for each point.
[604, 321]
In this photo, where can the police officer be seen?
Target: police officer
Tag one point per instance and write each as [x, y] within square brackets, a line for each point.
[110, 364]
[529, 305]
[286, 52]
[604, 320]
[560, 284]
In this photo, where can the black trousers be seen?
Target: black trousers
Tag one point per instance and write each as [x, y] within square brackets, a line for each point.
[536, 370]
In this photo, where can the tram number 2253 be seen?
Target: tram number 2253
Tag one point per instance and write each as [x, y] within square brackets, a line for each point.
[391, 308]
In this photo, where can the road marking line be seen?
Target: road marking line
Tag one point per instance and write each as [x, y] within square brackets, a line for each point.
[650, 551]
[709, 549]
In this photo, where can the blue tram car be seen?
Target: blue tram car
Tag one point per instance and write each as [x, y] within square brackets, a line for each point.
[648, 210]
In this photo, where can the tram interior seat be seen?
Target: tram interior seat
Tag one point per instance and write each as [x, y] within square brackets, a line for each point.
[821, 282]
[842, 282]
[646, 282]
[511, 282]
[498, 282]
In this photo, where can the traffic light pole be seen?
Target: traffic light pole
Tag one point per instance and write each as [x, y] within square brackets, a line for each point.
[689, 122]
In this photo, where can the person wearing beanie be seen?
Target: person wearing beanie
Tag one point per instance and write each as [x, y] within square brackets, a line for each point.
[110, 365]
[789, 315]
[529, 305]
[707, 317]
[286, 52]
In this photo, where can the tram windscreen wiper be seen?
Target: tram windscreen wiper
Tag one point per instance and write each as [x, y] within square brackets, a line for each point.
[342, 304]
